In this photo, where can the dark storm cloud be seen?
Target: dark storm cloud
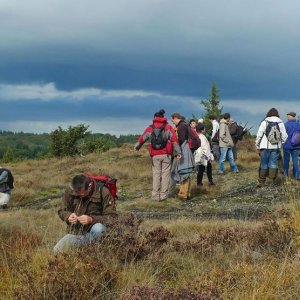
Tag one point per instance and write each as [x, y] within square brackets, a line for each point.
[171, 50]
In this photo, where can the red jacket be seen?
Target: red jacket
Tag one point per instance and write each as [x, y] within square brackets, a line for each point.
[170, 133]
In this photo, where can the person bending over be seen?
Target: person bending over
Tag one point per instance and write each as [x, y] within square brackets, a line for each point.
[88, 210]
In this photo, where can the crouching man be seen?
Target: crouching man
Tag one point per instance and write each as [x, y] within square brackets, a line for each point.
[88, 212]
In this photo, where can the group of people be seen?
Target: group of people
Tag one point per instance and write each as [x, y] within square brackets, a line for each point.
[89, 210]
[175, 161]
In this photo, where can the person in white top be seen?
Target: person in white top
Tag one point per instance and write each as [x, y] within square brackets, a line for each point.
[271, 135]
[203, 157]
[215, 136]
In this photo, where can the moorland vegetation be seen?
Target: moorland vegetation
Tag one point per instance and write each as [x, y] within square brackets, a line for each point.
[230, 241]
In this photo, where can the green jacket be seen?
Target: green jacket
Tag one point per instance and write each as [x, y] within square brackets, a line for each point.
[102, 211]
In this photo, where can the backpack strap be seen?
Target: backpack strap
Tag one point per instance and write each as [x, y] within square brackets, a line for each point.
[100, 186]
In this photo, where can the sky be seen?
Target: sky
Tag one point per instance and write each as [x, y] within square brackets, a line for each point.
[113, 64]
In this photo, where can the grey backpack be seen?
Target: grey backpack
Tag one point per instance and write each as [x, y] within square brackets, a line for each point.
[273, 133]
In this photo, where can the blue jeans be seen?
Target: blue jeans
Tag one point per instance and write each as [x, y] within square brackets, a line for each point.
[227, 152]
[269, 158]
[287, 153]
[72, 240]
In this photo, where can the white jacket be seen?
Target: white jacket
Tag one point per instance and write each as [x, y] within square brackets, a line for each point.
[261, 139]
[203, 153]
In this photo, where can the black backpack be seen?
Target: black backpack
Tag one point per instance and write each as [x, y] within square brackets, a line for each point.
[240, 132]
[216, 137]
[10, 177]
[159, 138]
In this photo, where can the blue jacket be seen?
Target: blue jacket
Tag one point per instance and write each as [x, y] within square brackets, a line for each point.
[291, 126]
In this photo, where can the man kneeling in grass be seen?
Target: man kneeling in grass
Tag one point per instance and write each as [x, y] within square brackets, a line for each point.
[87, 210]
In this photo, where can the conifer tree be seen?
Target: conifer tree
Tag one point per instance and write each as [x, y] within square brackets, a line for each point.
[212, 106]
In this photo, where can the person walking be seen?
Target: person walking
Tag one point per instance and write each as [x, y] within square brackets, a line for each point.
[290, 148]
[163, 141]
[226, 144]
[270, 136]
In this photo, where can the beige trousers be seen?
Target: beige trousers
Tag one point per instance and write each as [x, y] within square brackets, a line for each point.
[161, 169]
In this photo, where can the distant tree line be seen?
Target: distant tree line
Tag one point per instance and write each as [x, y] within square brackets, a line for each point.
[75, 140]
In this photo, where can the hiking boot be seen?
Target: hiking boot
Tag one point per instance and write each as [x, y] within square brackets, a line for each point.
[220, 172]
[4, 206]
[200, 184]
[211, 183]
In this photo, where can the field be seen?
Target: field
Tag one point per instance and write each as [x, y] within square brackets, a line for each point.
[231, 241]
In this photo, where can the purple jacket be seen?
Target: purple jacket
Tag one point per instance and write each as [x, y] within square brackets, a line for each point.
[291, 126]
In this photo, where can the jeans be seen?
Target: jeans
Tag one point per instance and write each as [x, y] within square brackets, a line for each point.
[287, 153]
[216, 152]
[72, 240]
[227, 153]
[269, 158]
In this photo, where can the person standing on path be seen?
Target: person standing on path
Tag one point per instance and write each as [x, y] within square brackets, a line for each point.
[163, 141]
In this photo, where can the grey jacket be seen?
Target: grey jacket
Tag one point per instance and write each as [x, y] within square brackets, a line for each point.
[4, 187]
[225, 139]
[185, 166]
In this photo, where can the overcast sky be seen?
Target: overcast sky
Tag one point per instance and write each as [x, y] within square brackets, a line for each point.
[112, 64]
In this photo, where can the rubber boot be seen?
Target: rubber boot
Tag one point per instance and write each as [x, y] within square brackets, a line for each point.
[184, 189]
[263, 173]
[273, 175]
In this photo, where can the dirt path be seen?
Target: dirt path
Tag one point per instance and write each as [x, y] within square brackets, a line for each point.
[234, 196]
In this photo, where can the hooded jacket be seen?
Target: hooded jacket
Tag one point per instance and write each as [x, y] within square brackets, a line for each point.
[261, 138]
[170, 133]
[101, 209]
[225, 140]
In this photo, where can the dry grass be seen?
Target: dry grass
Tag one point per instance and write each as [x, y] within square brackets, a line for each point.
[180, 258]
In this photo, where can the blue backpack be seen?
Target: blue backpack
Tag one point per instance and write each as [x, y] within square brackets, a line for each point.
[295, 139]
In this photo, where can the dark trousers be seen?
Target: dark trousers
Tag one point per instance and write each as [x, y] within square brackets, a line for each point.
[201, 170]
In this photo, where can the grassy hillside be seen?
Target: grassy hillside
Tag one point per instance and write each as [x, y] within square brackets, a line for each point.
[231, 241]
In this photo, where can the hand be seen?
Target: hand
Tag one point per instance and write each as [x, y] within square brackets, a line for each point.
[85, 220]
[178, 156]
[72, 218]
[258, 152]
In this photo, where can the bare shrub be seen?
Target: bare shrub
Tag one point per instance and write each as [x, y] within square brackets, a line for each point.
[129, 243]
[275, 237]
[207, 244]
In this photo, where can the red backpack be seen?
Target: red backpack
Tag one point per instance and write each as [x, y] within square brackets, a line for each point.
[107, 181]
[194, 140]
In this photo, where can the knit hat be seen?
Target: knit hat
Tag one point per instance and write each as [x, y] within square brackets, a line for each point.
[160, 114]
[293, 114]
